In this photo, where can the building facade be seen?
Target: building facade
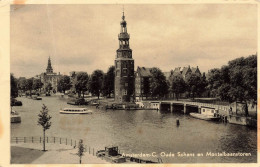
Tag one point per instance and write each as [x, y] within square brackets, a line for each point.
[124, 67]
[142, 83]
[49, 77]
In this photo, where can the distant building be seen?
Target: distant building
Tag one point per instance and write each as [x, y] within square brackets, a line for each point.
[142, 83]
[184, 72]
[124, 67]
[50, 77]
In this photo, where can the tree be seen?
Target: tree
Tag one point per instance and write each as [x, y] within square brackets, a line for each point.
[29, 85]
[64, 84]
[108, 82]
[22, 84]
[158, 84]
[14, 86]
[193, 84]
[95, 84]
[37, 84]
[81, 149]
[81, 83]
[44, 120]
[236, 81]
[178, 85]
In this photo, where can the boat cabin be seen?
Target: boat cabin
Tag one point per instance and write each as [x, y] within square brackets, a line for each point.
[209, 111]
[75, 109]
[111, 151]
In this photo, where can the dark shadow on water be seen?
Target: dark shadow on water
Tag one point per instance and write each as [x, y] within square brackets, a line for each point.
[21, 155]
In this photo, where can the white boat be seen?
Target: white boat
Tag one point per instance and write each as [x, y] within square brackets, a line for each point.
[15, 117]
[208, 114]
[204, 117]
[75, 111]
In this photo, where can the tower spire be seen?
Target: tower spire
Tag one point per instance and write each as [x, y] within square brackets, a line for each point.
[49, 67]
[123, 17]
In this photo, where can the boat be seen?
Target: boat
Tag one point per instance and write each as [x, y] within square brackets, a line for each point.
[37, 98]
[75, 111]
[111, 154]
[204, 117]
[15, 102]
[77, 101]
[15, 117]
[207, 113]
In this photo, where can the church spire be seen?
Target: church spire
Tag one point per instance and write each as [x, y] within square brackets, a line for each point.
[49, 67]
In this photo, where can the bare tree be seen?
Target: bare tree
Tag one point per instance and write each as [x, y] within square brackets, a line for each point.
[44, 121]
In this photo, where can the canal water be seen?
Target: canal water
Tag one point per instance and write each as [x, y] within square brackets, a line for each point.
[142, 131]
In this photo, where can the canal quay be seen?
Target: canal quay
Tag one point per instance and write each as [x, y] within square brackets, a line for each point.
[139, 132]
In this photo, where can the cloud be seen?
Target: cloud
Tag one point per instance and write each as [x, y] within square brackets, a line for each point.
[84, 37]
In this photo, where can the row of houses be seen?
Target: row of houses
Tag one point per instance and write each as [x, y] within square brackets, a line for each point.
[143, 75]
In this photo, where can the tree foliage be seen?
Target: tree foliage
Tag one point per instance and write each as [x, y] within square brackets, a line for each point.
[158, 84]
[95, 84]
[195, 85]
[29, 85]
[64, 84]
[37, 84]
[178, 85]
[14, 86]
[81, 83]
[237, 81]
[44, 120]
[109, 82]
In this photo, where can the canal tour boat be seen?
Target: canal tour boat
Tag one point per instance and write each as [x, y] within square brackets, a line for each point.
[208, 114]
[75, 111]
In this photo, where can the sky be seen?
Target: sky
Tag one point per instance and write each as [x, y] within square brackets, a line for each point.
[85, 37]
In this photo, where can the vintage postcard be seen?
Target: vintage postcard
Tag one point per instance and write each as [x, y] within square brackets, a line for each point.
[131, 83]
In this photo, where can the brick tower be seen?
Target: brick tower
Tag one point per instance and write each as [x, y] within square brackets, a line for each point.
[124, 67]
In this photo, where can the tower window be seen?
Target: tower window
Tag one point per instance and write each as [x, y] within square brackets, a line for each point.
[124, 71]
[117, 73]
[125, 92]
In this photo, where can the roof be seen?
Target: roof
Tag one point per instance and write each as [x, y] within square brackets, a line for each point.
[167, 75]
[185, 70]
[177, 71]
[195, 70]
[144, 72]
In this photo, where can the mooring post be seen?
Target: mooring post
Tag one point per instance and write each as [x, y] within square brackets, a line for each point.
[199, 109]
[184, 108]
[177, 122]
[171, 107]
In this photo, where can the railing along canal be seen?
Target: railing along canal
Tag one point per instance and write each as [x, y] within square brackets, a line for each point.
[55, 140]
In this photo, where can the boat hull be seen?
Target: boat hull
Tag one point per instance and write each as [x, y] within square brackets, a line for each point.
[83, 112]
[204, 117]
[15, 118]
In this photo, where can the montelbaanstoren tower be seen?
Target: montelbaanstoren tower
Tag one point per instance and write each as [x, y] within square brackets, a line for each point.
[124, 67]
